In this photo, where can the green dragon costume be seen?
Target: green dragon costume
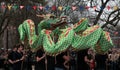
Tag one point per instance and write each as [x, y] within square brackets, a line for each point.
[77, 37]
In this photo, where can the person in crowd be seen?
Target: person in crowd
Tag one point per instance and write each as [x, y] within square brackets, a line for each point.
[29, 59]
[90, 59]
[5, 60]
[107, 60]
[113, 58]
[62, 61]
[40, 60]
[73, 60]
[50, 61]
[81, 64]
[101, 61]
[2, 58]
[11, 56]
[18, 58]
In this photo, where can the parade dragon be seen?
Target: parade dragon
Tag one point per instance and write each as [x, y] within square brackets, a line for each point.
[54, 41]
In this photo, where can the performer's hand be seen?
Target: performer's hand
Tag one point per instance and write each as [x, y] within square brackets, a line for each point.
[66, 65]
[40, 58]
[44, 55]
[23, 57]
[66, 58]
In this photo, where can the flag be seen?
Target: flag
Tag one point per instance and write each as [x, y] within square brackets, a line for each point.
[74, 8]
[60, 8]
[34, 7]
[41, 7]
[15, 7]
[21, 7]
[47, 8]
[94, 7]
[87, 7]
[108, 7]
[9, 7]
[115, 7]
[81, 8]
[53, 8]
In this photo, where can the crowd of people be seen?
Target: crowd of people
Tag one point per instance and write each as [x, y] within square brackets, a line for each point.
[20, 59]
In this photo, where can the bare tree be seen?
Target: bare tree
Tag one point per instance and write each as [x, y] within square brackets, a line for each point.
[11, 18]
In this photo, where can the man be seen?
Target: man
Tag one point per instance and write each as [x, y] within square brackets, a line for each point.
[40, 60]
[62, 61]
[101, 61]
[11, 56]
[50, 62]
[90, 59]
[18, 58]
[81, 64]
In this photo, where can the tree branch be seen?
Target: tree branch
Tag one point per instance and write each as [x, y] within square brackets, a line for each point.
[3, 19]
[100, 13]
[4, 27]
[91, 3]
[102, 1]
[114, 19]
[113, 13]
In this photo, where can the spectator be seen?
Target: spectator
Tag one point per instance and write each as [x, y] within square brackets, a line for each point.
[73, 58]
[81, 64]
[40, 60]
[18, 58]
[113, 57]
[61, 61]
[50, 62]
[4, 58]
[101, 61]
[90, 59]
[11, 57]
[30, 59]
